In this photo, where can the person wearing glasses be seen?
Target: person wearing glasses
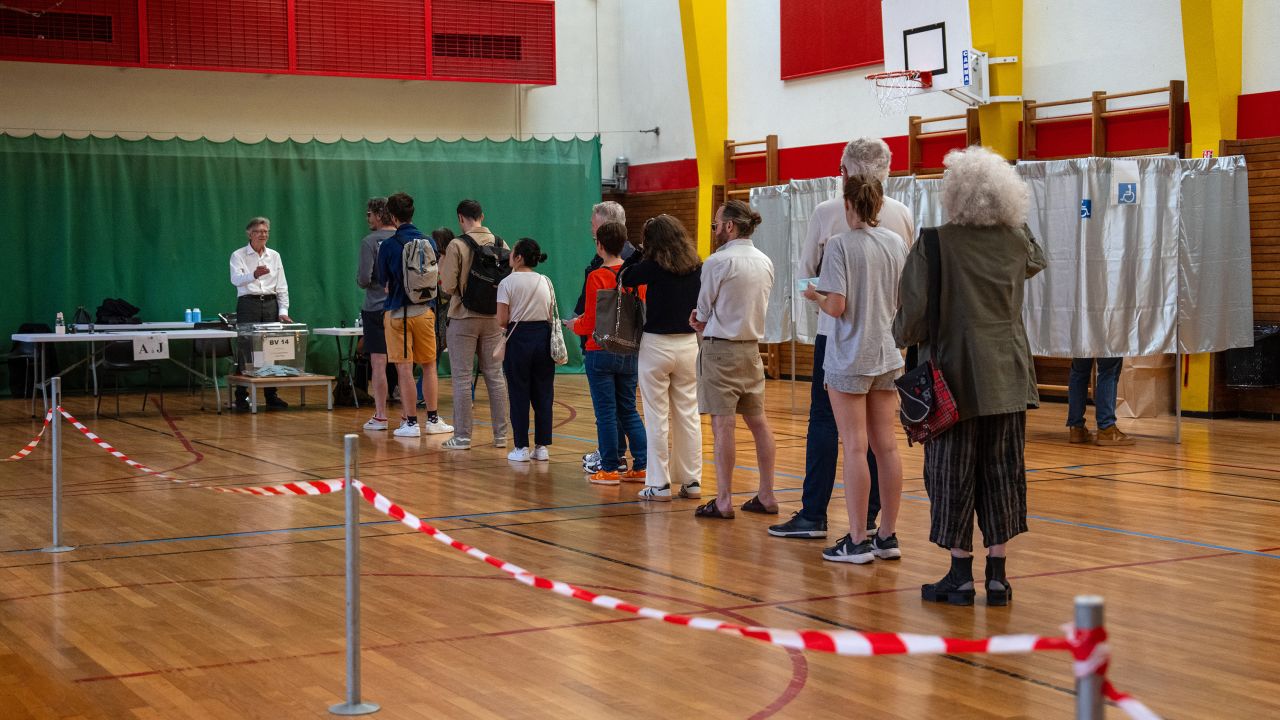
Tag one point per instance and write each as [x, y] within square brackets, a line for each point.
[381, 227]
[262, 293]
[736, 281]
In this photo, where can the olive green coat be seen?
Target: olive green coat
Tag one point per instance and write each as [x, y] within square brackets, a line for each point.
[981, 346]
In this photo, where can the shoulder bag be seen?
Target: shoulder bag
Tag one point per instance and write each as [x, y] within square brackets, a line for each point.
[559, 352]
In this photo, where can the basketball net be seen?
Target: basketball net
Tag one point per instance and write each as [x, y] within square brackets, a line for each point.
[893, 88]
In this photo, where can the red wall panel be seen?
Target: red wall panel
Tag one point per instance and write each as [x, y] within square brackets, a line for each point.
[224, 34]
[502, 40]
[821, 36]
[105, 31]
[374, 37]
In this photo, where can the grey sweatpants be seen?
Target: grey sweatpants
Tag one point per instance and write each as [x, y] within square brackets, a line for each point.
[469, 338]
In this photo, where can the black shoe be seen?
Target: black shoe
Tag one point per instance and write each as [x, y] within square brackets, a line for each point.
[274, 401]
[886, 548]
[242, 405]
[999, 591]
[956, 588]
[799, 527]
[846, 551]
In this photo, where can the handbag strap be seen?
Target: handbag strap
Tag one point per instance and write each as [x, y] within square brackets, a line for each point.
[555, 311]
[933, 255]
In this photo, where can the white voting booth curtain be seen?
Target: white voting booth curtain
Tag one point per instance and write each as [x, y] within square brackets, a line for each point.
[1215, 309]
[1146, 255]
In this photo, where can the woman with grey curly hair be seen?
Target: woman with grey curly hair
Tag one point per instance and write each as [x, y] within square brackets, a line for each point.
[982, 257]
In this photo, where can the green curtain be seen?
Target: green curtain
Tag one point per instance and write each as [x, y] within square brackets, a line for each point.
[155, 221]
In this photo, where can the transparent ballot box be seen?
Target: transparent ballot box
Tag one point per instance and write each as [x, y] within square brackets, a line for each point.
[264, 344]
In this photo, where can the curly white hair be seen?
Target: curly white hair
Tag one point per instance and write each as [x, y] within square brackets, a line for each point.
[867, 156]
[981, 188]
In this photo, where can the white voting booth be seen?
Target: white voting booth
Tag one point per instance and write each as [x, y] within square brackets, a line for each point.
[1147, 256]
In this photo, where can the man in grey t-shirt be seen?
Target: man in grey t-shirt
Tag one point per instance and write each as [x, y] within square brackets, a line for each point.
[381, 227]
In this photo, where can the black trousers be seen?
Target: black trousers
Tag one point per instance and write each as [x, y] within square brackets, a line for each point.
[531, 376]
[255, 309]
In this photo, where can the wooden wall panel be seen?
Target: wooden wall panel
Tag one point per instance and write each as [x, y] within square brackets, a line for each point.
[682, 204]
[1263, 158]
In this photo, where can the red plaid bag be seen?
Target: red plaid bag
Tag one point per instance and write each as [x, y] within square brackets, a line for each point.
[926, 406]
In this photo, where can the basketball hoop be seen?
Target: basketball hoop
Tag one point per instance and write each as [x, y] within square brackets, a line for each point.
[893, 88]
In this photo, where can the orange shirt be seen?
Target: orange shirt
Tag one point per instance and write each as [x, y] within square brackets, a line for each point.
[604, 278]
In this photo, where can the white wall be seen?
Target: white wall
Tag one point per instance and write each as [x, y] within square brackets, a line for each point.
[1261, 51]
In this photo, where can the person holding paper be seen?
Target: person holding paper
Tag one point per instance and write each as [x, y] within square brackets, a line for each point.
[262, 293]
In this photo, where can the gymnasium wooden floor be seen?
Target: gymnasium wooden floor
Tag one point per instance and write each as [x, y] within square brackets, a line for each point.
[185, 603]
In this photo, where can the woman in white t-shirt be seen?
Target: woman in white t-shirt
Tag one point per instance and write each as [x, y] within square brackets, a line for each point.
[524, 311]
[859, 288]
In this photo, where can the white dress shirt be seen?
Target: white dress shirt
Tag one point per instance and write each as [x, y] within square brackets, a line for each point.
[736, 281]
[245, 260]
[828, 220]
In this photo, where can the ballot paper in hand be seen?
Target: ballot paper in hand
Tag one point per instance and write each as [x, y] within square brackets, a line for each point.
[803, 284]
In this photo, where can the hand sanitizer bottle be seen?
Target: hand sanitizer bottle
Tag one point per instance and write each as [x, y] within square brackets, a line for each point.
[59, 325]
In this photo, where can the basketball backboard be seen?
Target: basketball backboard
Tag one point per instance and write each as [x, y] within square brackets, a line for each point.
[932, 35]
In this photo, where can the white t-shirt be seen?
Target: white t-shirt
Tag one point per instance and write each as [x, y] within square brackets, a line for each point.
[864, 265]
[828, 220]
[528, 295]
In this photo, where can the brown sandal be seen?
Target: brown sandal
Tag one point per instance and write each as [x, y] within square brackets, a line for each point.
[755, 506]
[709, 510]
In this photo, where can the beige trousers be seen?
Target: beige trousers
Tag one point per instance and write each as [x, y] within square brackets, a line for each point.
[668, 367]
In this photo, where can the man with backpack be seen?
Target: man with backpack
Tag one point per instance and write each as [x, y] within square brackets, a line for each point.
[407, 266]
[473, 265]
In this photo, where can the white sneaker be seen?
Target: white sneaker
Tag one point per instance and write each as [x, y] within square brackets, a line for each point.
[374, 423]
[541, 453]
[519, 455]
[408, 428]
[456, 443]
[438, 427]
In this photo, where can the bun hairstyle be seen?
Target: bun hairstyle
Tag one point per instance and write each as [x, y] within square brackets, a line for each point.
[528, 251]
[742, 217]
[866, 196]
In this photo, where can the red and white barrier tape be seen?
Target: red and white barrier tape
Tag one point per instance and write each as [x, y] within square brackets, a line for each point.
[840, 642]
[116, 453]
[1091, 656]
[34, 441]
[304, 487]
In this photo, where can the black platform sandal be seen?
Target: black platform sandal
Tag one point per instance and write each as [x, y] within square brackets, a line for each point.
[956, 588]
[999, 591]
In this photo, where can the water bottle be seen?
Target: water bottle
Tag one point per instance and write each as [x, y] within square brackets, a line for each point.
[59, 325]
[187, 315]
[195, 315]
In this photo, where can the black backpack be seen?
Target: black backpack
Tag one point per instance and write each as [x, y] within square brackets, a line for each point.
[489, 265]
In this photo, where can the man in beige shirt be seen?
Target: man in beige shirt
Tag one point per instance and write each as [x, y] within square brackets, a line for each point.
[736, 281]
[473, 330]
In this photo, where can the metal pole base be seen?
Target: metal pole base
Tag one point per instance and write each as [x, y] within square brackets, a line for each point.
[362, 708]
[58, 549]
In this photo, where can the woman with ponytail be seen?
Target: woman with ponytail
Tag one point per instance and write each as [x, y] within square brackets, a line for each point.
[858, 287]
[525, 301]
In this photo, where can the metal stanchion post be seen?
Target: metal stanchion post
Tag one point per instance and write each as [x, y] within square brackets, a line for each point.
[353, 705]
[55, 447]
[1089, 701]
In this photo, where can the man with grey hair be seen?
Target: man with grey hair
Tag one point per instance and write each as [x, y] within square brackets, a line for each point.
[262, 293]
[602, 213]
[867, 157]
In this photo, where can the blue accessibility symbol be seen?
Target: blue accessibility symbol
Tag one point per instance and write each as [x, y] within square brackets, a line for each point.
[1127, 193]
[1086, 209]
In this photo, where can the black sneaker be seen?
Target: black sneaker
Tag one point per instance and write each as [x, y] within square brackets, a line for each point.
[799, 527]
[846, 551]
[276, 402]
[242, 405]
[886, 548]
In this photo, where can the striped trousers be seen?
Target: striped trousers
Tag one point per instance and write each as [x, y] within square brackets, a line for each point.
[977, 467]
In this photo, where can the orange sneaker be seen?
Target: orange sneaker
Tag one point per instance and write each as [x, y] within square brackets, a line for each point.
[633, 476]
[605, 477]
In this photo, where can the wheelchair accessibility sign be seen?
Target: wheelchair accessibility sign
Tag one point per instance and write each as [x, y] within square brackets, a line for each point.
[1124, 181]
[1086, 209]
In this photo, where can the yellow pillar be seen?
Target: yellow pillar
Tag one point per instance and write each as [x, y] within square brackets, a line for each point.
[704, 28]
[997, 31]
[1211, 39]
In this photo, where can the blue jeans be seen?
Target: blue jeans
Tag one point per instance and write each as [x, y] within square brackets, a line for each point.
[822, 449]
[1104, 393]
[612, 379]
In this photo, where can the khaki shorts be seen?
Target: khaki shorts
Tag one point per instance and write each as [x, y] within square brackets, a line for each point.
[730, 378]
[421, 341]
[862, 384]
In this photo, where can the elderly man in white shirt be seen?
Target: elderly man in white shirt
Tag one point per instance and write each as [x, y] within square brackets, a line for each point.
[736, 281]
[863, 156]
[262, 293]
